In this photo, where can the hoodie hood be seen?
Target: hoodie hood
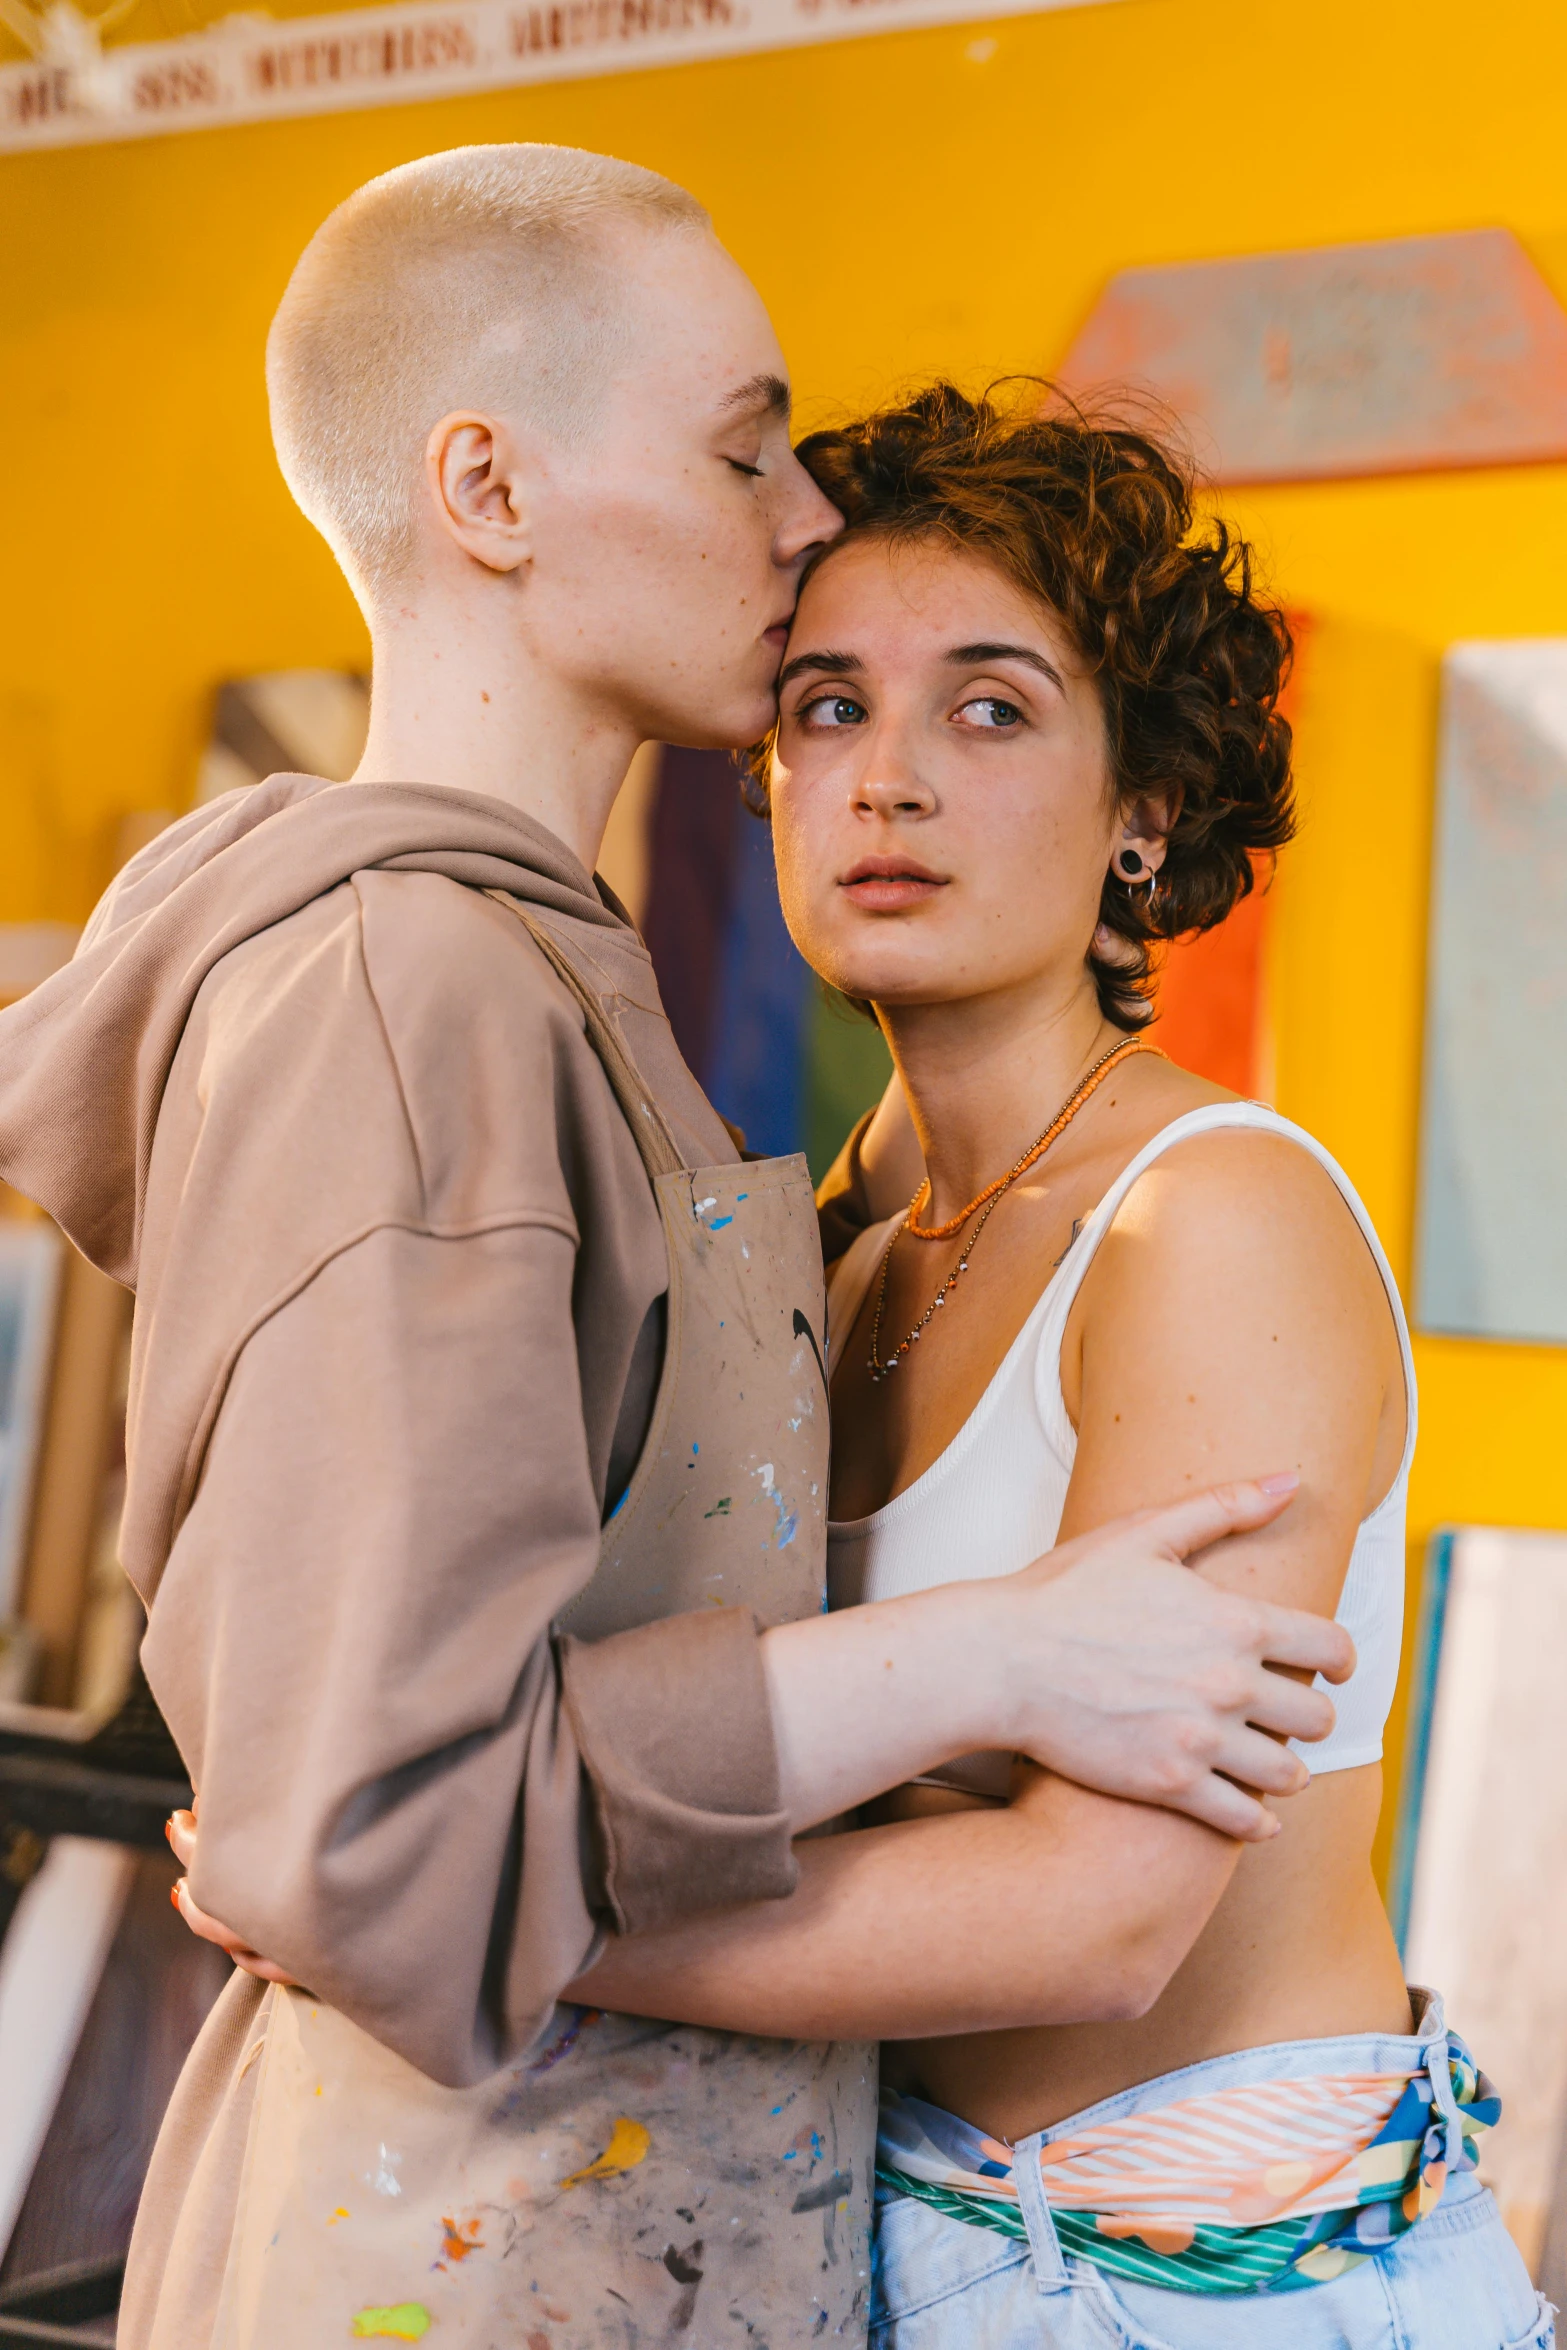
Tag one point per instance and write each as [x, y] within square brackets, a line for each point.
[85, 1057]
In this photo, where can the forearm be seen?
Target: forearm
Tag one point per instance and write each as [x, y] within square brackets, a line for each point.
[1079, 1910]
[1095, 1662]
[358, 1661]
[872, 1696]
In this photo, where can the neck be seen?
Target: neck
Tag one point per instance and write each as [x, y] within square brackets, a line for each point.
[985, 1076]
[456, 700]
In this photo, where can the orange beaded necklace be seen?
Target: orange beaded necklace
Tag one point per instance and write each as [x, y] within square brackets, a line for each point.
[987, 1200]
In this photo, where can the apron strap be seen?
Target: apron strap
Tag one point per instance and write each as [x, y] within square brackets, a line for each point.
[660, 1152]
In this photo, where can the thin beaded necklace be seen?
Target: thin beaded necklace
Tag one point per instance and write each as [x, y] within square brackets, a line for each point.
[988, 1201]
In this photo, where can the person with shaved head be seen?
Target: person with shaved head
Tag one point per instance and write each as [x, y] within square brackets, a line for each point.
[477, 1444]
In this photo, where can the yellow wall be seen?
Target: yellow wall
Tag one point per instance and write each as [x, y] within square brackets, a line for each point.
[945, 199]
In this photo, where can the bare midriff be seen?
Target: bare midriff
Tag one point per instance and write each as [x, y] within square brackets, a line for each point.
[1299, 1948]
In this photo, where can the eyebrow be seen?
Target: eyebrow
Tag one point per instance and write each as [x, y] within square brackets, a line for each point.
[819, 665]
[968, 656]
[768, 393]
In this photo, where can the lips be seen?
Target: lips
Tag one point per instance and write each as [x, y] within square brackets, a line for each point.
[885, 885]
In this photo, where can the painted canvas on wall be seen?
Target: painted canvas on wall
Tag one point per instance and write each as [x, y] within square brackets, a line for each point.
[1397, 356]
[1213, 991]
[1478, 1883]
[781, 1059]
[1213, 1011]
[1492, 1258]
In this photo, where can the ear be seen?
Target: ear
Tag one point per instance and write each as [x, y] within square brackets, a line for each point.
[1144, 829]
[475, 477]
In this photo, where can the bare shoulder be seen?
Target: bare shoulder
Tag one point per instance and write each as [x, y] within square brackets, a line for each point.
[1234, 1320]
[1239, 1235]
[1242, 1188]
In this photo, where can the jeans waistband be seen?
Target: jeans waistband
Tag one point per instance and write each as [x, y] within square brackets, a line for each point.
[1279, 2060]
[1193, 2180]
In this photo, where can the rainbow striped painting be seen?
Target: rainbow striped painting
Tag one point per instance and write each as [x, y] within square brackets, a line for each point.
[781, 1058]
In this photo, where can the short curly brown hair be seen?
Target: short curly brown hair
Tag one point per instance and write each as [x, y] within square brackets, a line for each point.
[1095, 520]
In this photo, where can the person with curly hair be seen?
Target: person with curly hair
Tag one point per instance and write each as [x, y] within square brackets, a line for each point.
[443, 1261]
[1029, 730]
[473, 1366]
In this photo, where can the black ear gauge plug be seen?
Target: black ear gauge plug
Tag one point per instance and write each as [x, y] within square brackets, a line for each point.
[1131, 863]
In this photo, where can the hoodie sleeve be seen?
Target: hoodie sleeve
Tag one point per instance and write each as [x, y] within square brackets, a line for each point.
[396, 1502]
[414, 1797]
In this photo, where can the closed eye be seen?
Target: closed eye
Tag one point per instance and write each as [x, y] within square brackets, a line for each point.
[991, 713]
[831, 710]
[754, 471]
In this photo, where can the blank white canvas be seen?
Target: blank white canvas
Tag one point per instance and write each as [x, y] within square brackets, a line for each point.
[1493, 1174]
[1488, 1914]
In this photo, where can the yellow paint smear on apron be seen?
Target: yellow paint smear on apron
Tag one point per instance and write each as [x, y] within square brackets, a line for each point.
[627, 2147]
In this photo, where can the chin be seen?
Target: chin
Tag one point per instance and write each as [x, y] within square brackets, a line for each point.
[871, 979]
[728, 716]
[896, 976]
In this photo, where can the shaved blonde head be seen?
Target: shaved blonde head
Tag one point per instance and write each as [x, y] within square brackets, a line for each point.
[484, 278]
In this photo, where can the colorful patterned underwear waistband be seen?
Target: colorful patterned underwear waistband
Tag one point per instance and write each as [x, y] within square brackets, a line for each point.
[1265, 2187]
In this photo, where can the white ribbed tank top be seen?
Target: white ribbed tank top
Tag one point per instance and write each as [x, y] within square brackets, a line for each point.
[992, 1502]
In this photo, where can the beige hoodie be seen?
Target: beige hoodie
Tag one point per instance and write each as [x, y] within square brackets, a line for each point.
[326, 1108]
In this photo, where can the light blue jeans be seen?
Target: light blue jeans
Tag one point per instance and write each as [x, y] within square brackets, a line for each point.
[1455, 2281]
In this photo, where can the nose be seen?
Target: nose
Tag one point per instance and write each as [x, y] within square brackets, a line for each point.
[808, 520]
[888, 786]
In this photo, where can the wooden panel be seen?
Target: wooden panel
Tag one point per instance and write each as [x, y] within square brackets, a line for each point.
[1394, 357]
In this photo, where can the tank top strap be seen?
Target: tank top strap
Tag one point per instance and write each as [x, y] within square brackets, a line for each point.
[1217, 1117]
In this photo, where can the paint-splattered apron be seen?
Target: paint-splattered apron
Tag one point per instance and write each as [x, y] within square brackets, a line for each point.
[629, 2183]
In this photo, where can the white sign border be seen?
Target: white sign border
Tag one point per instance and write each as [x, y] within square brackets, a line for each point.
[257, 69]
